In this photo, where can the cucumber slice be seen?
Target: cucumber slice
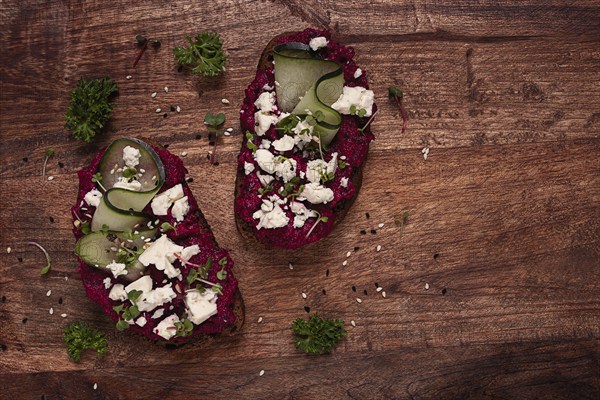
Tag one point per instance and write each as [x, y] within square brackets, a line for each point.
[308, 83]
[120, 208]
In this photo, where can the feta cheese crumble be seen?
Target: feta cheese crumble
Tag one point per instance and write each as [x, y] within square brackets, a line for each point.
[317, 194]
[264, 117]
[162, 202]
[358, 96]
[92, 198]
[117, 269]
[131, 156]
[200, 306]
[270, 216]
[248, 168]
[318, 42]
[166, 328]
[161, 254]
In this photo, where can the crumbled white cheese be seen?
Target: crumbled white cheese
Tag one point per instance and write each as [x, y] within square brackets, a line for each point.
[166, 327]
[317, 194]
[118, 293]
[107, 283]
[318, 42]
[285, 143]
[265, 144]
[263, 122]
[264, 179]
[200, 306]
[157, 297]
[117, 268]
[124, 183]
[158, 313]
[160, 253]
[273, 218]
[301, 213]
[180, 209]
[144, 284]
[314, 170]
[357, 73]
[141, 321]
[248, 167]
[93, 197]
[161, 203]
[344, 182]
[265, 102]
[358, 96]
[286, 169]
[190, 251]
[131, 156]
[265, 160]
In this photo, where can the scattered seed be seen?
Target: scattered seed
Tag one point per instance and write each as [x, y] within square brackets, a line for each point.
[225, 101]
[260, 320]
[365, 292]
[348, 254]
[363, 232]
[8, 250]
[353, 323]
[51, 311]
[324, 292]
[261, 373]
[158, 110]
[95, 386]
[358, 300]
[307, 309]
[373, 232]
[381, 225]
[63, 315]
[154, 94]
[48, 293]
[426, 286]
[383, 294]
[166, 89]
[378, 247]
[66, 278]
[327, 272]
[229, 129]
[184, 153]
[345, 263]
[291, 266]
[304, 295]
[178, 109]
[367, 215]
[227, 133]
[128, 77]
[354, 288]
[379, 289]
[50, 178]
[444, 291]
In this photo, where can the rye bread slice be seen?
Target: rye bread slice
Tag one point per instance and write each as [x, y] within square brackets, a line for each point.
[340, 210]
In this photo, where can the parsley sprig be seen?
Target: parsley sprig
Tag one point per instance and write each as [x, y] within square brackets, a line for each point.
[317, 335]
[204, 54]
[79, 337]
[90, 107]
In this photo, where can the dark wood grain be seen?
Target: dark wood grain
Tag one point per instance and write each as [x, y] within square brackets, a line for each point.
[504, 223]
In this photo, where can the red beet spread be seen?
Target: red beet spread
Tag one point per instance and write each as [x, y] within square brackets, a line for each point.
[188, 232]
[348, 142]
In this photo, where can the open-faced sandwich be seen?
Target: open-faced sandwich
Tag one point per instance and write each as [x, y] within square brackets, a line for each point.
[146, 253]
[306, 120]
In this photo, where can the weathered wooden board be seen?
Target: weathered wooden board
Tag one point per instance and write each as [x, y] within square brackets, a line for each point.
[504, 223]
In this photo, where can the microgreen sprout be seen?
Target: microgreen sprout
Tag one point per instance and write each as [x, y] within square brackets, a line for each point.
[214, 124]
[319, 219]
[48, 153]
[97, 178]
[397, 95]
[48, 265]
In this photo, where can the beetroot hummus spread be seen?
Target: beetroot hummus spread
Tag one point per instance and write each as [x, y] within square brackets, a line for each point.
[286, 205]
[192, 230]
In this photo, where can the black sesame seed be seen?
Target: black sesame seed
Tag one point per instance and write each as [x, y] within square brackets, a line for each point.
[3, 299]
[165, 115]
[166, 146]
[363, 232]
[324, 292]
[211, 143]
[172, 108]
[24, 320]
[373, 231]
[436, 256]
[20, 259]
[60, 300]
[367, 215]
[25, 159]
[365, 292]
[51, 219]
[376, 284]
[61, 165]
[327, 272]
[356, 248]
[354, 288]
[211, 136]
[216, 163]
[3, 346]
[307, 309]
[444, 291]
[208, 156]
[198, 136]
[190, 180]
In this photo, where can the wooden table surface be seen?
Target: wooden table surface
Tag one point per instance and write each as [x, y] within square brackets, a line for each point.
[493, 285]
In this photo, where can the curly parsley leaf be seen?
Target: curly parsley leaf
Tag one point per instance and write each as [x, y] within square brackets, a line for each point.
[317, 335]
[79, 337]
[90, 107]
[204, 54]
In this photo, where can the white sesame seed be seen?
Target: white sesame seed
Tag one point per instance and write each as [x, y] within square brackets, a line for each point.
[8, 250]
[178, 109]
[224, 101]
[95, 386]
[260, 320]
[381, 225]
[158, 110]
[63, 315]
[76, 223]
[128, 77]
[50, 178]
[184, 153]
[378, 247]
[342, 157]
[226, 133]
[48, 293]
[353, 323]
[426, 286]
[51, 311]
[166, 88]
[358, 300]
[153, 94]
[345, 263]
[229, 129]
[261, 373]
[66, 278]
[379, 289]
[348, 254]
[383, 294]
[291, 266]
[304, 295]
